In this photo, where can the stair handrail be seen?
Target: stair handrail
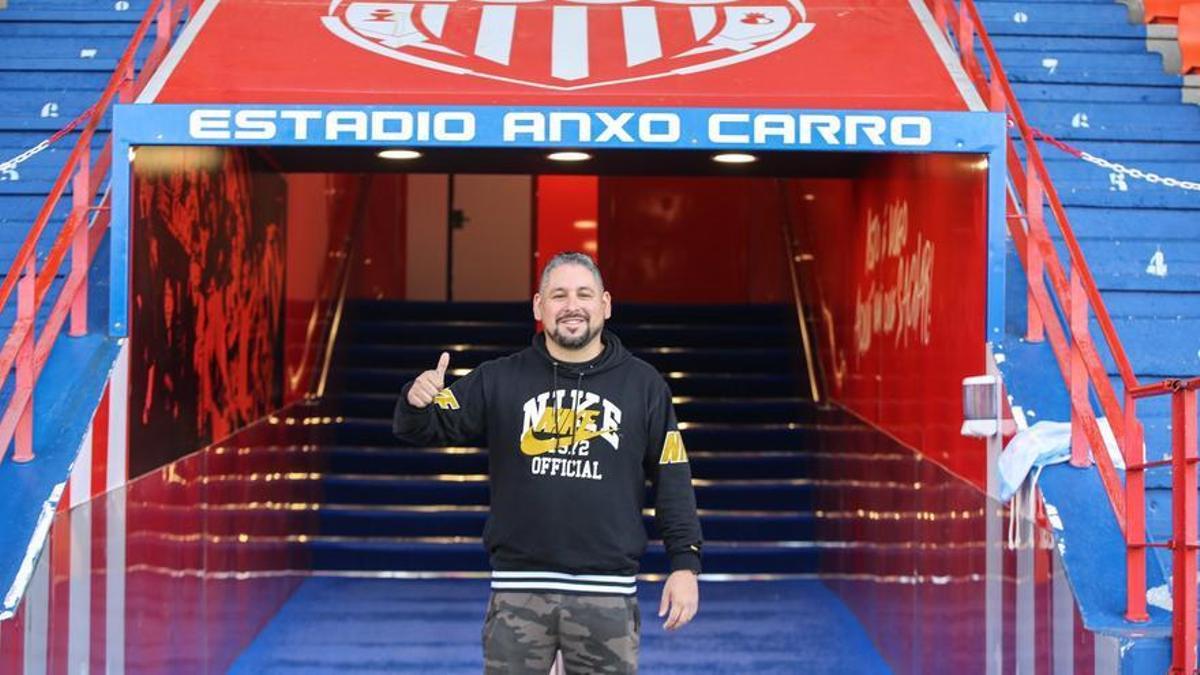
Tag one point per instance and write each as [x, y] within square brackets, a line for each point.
[22, 349]
[1030, 190]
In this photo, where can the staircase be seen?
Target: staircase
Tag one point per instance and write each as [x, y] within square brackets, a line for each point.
[732, 371]
[1082, 73]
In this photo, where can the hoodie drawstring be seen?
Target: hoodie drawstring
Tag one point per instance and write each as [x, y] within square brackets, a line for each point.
[558, 410]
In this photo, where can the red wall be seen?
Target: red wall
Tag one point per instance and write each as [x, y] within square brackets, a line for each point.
[899, 278]
[692, 240]
[565, 217]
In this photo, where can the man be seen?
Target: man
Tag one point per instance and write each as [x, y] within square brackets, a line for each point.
[574, 425]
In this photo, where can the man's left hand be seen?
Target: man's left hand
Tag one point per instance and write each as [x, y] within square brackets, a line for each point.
[680, 599]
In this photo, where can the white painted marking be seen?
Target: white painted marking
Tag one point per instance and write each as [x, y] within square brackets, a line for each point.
[495, 38]
[1050, 64]
[569, 43]
[433, 15]
[118, 410]
[1063, 609]
[1020, 17]
[1026, 623]
[88, 53]
[79, 629]
[1116, 182]
[1158, 264]
[121, 6]
[1107, 655]
[1080, 121]
[114, 583]
[81, 471]
[642, 43]
[49, 110]
[9, 175]
[190, 31]
[704, 20]
[949, 57]
[37, 617]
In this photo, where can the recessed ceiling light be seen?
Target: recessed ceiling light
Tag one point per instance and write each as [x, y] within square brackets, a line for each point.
[569, 156]
[734, 158]
[399, 154]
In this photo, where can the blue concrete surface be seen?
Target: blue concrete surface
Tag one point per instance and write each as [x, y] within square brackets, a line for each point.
[334, 625]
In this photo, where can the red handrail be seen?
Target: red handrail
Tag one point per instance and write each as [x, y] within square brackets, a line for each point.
[22, 349]
[1077, 294]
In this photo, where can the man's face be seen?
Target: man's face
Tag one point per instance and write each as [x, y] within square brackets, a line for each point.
[572, 306]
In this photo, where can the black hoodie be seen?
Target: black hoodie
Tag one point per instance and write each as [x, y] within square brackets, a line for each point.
[570, 448]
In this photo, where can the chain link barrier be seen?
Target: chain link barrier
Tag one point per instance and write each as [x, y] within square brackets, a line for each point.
[9, 166]
[1117, 167]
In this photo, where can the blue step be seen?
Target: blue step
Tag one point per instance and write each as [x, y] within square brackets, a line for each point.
[1058, 18]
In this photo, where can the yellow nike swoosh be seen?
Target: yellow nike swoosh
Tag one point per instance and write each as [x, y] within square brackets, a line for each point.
[533, 446]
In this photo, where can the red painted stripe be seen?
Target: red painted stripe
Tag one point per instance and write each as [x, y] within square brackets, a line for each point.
[99, 572]
[64, 504]
[12, 643]
[100, 446]
[60, 592]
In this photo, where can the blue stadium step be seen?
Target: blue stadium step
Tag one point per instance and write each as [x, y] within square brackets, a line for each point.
[690, 359]
[1152, 305]
[1058, 44]
[1125, 150]
[21, 208]
[46, 125]
[380, 490]
[456, 521]
[1145, 70]
[744, 411]
[1027, 92]
[700, 435]
[1136, 194]
[65, 29]
[517, 311]
[1115, 116]
[67, 47]
[59, 81]
[465, 554]
[754, 385]
[49, 14]
[380, 332]
[712, 465]
[1058, 19]
[1159, 224]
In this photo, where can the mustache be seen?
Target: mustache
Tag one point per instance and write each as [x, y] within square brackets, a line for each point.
[573, 315]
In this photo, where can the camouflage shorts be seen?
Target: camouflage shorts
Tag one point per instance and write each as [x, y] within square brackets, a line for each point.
[522, 632]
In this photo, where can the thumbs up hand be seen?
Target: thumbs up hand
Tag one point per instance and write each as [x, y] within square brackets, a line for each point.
[429, 383]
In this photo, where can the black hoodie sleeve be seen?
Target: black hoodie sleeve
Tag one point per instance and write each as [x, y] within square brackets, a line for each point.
[458, 416]
[675, 504]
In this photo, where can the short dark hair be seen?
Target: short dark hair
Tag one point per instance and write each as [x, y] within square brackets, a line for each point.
[570, 258]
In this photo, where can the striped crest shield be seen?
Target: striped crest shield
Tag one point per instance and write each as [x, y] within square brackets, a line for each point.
[570, 44]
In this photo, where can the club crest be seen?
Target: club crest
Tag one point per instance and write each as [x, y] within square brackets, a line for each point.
[569, 45]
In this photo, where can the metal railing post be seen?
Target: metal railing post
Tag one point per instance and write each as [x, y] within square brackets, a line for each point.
[1035, 328]
[1135, 515]
[1183, 516]
[81, 199]
[1078, 387]
[26, 313]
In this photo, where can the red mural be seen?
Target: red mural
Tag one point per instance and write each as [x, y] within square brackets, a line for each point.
[208, 261]
[898, 277]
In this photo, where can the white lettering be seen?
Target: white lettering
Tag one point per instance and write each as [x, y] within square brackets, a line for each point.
[826, 125]
[782, 127]
[300, 120]
[444, 123]
[667, 131]
[911, 130]
[531, 124]
[717, 133]
[254, 125]
[871, 126]
[379, 126]
[209, 125]
[353, 122]
[614, 127]
[582, 122]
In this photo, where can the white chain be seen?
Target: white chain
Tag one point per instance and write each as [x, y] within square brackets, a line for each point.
[13, 163]
[1148, 176]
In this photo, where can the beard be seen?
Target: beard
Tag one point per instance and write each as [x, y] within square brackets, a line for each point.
[578, 341]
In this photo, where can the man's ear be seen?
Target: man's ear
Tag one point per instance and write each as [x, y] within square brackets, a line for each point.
[607, 305]
[537, 306]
